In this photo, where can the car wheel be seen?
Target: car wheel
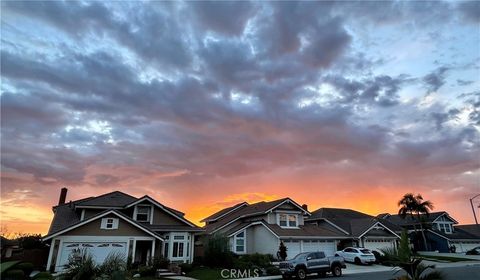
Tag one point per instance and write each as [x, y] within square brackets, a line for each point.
[322, 274]
[357, 261]
[301, 273]
[337, 271]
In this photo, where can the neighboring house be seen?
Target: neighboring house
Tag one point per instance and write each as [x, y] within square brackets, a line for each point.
[8, 247]
[471, 240]
[363, 230]
[139, 228]
[440, 231]
[260, 227]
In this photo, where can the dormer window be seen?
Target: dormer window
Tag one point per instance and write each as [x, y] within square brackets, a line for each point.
[288, 220]
[143, 213]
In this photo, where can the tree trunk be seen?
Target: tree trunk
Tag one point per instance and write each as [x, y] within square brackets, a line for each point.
[423, 235]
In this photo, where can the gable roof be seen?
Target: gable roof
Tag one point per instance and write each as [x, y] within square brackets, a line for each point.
[354, 222]
[408, 220]
[98, 216]
[65, 214]
[161, 206]
[259, 208]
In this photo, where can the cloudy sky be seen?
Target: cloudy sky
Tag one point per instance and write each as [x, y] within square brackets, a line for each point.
[202, 105]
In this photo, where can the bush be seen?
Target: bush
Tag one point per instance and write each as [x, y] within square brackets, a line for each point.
[113, 263]
[217, 252]
[80, 266]
[256, 259]
[25, 267]
[272, 270]
[43, 275]
[145, 271]
[14, 274]
[186, 267]
[160, 262]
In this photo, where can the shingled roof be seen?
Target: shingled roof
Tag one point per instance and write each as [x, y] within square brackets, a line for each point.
[259, 208]
[224, 211]
[351, 221]
[408, 220]
[112, 199]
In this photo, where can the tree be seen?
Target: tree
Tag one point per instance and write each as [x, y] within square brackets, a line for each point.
[414, 206]
[282, 251]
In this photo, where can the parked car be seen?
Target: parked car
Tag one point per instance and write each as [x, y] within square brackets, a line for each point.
[312, 262]
[357, 255]
[474, 251]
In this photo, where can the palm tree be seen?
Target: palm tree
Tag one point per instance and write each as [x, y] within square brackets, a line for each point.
[415, 206]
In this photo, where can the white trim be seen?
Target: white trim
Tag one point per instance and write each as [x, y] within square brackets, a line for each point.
[82, 216]
[161, 207]
[252, 224]
[50, 254]
[224, 214]
[287, 226]
[98, 217]
[445, 213]
[289, 201]
[150, 214]
[374, 225]
[244, 238]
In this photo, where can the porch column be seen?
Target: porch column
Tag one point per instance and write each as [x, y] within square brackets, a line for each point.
[153, 249]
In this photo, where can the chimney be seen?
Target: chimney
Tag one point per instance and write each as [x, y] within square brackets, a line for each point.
[305, 207]
[63, 196]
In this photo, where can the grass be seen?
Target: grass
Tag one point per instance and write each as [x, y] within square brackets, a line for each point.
[205, 274]
[443, 258]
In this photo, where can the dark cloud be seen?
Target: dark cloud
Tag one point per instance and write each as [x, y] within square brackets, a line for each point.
[217, 16]
[435, 79]
[461, 82]
[470, 11]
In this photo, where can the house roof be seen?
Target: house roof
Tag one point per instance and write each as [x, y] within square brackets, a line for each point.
[457, 234]
[308, 230]
[100, 215]
[166, 228]
[472, 229]
[66, 216]
[112, 199]
[408, 220]
[217, 215]
[259, 208]
[354, 222]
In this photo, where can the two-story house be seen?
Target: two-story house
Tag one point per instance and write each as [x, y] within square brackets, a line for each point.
[364, 230]
[138, 228]
[441, 234]
[260, 227]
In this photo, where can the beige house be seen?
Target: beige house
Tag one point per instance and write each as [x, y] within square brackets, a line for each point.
[138, 228]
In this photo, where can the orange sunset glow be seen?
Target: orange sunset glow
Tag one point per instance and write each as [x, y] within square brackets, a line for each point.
[202, 105]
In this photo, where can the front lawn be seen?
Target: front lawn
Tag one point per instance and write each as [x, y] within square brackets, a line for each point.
[204, 273]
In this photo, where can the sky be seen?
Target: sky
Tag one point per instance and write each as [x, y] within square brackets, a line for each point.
[202, 105]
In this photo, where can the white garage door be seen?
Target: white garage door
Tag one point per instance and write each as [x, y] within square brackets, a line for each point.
[328, 247]
[98, 250]
[378, 244]
[462, 247]
[293, 248]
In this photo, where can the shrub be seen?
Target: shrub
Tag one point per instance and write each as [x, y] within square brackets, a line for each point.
[186, 267]
[256, 259]
[43, 275]
[14, 274]
[217, 252]
[113, 262]
[25, 267]
[272, 270]
[160, 262]
[145, 271]
[80, 266]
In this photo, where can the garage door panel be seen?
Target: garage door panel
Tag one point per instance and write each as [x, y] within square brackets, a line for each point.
[378, 245]
[462, 247]
[293, 248]
[98, 250]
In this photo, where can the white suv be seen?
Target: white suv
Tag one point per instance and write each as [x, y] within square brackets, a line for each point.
[357, 255]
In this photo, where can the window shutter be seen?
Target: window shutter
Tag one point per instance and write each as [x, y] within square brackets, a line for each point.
[104, 223]
[115, 223]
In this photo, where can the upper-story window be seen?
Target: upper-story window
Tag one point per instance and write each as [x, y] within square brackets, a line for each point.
[143, 213]
[288, 220]
[444, 227]
[109, 223]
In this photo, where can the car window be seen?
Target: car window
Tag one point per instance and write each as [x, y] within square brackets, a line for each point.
[365, 251]
[312, 256]
[320, 255]
[354, 251]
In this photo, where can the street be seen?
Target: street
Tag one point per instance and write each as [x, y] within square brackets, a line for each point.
[451, 273]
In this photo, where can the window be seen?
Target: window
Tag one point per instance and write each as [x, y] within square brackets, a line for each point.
[109, 223]
[178, 249]
[288, 220]
[444, 227]
[239, 242]
[143, 213]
